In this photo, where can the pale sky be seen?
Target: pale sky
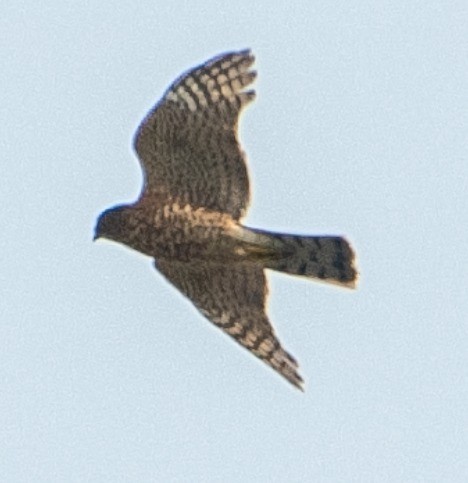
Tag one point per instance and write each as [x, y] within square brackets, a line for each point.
[360, 128]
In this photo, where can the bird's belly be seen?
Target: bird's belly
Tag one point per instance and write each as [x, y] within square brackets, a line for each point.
[188, 242]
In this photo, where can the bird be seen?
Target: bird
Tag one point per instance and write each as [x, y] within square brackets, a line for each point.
[194, 196]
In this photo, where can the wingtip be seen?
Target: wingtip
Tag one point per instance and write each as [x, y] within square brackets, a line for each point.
[290, 371]
[298, 383]
[247, 56]
[247, 52]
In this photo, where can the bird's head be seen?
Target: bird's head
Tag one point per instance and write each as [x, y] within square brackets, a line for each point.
[111, 223]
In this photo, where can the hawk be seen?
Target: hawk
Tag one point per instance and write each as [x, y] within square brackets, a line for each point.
[195, 193]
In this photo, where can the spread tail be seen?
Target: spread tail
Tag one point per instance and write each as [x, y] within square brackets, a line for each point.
[326, 258]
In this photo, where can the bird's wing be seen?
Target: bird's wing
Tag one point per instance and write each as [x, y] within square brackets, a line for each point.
[188, 144]
[233, 298]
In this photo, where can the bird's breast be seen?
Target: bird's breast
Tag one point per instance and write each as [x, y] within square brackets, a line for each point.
[183, 233]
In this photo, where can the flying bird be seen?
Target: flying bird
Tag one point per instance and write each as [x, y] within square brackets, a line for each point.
[195, 193]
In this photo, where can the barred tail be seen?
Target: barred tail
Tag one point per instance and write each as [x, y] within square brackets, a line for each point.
[327, 258]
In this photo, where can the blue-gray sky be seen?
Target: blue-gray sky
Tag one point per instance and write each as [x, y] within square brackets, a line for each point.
[359, 128]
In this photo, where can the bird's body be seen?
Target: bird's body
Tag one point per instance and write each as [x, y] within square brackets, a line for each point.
[175, 232]
[188, 216]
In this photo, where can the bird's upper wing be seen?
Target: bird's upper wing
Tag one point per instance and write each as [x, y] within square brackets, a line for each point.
[233, 298]
[188, 144]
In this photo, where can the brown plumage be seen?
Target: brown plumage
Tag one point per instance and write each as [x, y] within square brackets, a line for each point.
[195, 192]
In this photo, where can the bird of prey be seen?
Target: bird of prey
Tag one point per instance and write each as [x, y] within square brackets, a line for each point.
[195, 193]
